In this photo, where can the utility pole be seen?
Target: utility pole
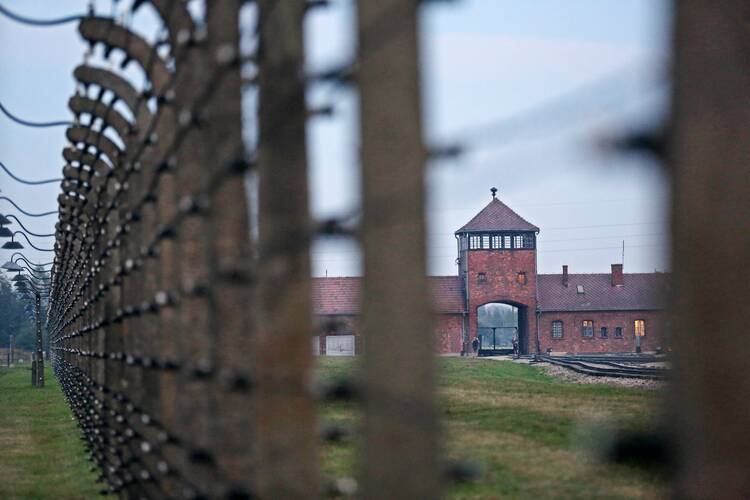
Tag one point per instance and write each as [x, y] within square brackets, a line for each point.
[286, 410]
[37, 363]
[708, 155]
[400, 430]
[11, 351]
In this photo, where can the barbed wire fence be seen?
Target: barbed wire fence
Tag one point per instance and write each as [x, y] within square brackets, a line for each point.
[182, 342]
[182, 345]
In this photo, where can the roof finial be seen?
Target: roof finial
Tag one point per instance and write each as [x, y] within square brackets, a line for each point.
[494, 192]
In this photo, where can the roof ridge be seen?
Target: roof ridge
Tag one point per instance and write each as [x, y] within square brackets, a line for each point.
[509, 218]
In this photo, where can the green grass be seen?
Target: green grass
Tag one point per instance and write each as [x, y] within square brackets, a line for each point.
[531, 435]
[41, 454]
[528, 432]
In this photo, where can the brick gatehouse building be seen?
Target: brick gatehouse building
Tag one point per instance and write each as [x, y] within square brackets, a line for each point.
[498, 295]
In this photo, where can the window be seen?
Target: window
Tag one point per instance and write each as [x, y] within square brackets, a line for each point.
[518, 241]
[557, 329]
[497, 241]
[587, 328]
[639, 327]
[485, 241]
[521, 278]
[481, 278]
[579, 289]
[528, 241]
[618, 332]
[506, 241]
[474, 242]
[603, 333]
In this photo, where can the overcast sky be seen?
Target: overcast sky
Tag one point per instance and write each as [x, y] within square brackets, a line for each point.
[528, 88]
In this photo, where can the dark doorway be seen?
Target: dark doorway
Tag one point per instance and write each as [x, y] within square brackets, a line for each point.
[498, 324]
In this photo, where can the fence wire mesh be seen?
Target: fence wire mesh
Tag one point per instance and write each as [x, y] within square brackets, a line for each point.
[182, 341]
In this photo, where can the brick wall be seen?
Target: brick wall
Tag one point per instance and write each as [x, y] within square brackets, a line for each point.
[501, 268]
[573, 341]
[448, 333]
[447, 328]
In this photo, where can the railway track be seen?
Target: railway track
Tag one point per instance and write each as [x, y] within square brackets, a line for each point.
[606, 366]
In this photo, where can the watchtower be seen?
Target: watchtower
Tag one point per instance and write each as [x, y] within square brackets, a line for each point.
[497, 262]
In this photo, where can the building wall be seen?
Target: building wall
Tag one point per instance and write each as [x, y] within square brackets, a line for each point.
[337, 324]
[501, 268]
[448, 333]
[447, 329]
[573, 340]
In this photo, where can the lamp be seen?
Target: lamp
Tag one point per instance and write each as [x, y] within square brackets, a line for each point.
[11, 266]
[12, 245]
[5, 232]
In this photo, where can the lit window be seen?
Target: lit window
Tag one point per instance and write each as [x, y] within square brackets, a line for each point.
[618, 332]
[485, 241]
[557, 329]
[474, 242]
[518, 241]
[587, 328]
[497, 241]
[579, 289]
[481, 278]
[639, 327]
[603, 333]
[506, 241]
[521, 278]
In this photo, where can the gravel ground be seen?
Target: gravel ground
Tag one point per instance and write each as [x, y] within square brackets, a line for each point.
[580, 378]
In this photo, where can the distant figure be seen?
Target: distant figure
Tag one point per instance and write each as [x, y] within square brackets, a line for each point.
[515, 346]
[475, 345]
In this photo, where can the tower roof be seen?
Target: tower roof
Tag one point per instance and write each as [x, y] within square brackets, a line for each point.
[497, 216]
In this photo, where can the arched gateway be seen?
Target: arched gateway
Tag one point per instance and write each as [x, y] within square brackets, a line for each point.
[498, 324]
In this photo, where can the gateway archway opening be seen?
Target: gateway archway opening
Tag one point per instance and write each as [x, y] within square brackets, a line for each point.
[498, 324]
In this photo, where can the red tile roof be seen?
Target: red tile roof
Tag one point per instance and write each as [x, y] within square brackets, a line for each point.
[336, 295]
[640, 291]
[497, 216]
[342, 295]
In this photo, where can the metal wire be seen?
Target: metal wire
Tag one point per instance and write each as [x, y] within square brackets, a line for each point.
[28, 214]
[11, 216]
[30, 243]
[28, 123]
[31, 183]
[38, 22]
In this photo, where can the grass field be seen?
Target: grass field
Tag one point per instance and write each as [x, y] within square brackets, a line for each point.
[530, 434]
[526, 431]
[41, 455]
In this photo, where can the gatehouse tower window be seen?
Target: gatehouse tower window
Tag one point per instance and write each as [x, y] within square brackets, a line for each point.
[603, 333]
[618, 332]
[481, 278]
[498, 241]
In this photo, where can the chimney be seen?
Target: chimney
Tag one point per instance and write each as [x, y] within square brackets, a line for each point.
[617, 277]
[565, 275]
